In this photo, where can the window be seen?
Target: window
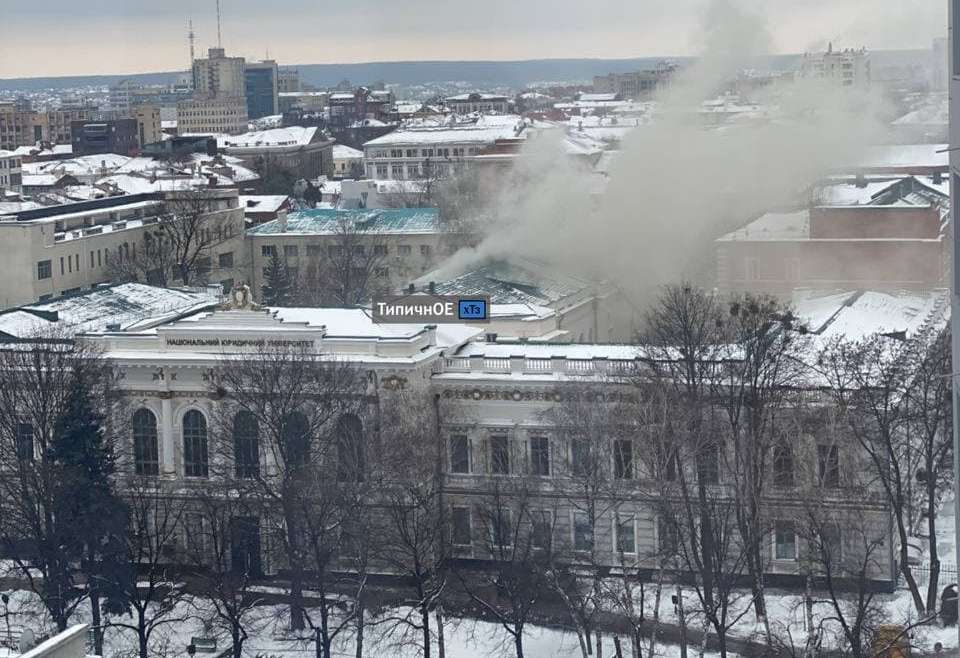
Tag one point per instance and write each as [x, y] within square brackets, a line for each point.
[225, 261]
[381, 272]
[246, 445]
[785, 544]
[379, 250]
[62, 270]
[314, 250]
[539, 456]
[828, 466]
[623, 459]
[501, 528]
[579, 458]
[146, 453]
[668, 537]
[24, 442]
[291, 251]
[296, 440]
[459, 454]
[461, 533]
[708, 464]
[195, 444]
[582, 532]
[783, 466]
[830, 544]
[91, 260]
[404, 250]
[350, 452]
[499, 455]
[44, 270]
[425, 250]
[268, 251]
[334, 250]
[541, 529]
[626, 534]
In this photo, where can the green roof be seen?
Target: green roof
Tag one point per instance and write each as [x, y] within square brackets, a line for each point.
[319, 221]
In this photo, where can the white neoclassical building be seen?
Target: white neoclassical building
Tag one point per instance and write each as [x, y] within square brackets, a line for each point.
[493, 400]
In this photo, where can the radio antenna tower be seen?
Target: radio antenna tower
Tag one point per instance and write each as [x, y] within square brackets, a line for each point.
[219, 42]
[192, 37]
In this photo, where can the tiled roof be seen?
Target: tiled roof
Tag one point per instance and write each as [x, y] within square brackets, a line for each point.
[328, 221]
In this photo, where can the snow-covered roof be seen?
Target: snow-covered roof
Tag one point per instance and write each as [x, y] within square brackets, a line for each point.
[473, 97]
[86, 165]
[855, 315]
[263, 202]
[274, 137]
[905, 157]
[344, 152]
[774, 226]
[485, 130]
[128, 305]
[328, 221]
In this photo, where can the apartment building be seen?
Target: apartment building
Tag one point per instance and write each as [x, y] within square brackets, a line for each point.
[11, 179]
[61, 250]
[212, 115]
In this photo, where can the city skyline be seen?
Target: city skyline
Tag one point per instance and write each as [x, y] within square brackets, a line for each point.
[114, 37]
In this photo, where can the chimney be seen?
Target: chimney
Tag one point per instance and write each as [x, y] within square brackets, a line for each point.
[491, 338]
[432, 287]
[411, 289]
[282, 220]
[937, 178]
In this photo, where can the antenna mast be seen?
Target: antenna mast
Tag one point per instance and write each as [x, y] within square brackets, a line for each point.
[192, 37]
[219, 42]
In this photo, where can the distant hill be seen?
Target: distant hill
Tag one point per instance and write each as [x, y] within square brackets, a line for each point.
[480, 73]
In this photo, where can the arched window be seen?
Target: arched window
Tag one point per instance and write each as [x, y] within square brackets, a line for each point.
[246, 445]
[195, 444]
[146, 452]
[350, 453]
[296, 440]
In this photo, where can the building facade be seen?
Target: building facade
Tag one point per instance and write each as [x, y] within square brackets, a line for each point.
[394, 246]
[212, 115]
[114, 136]
[637, 85]
[478, 102]
[10, 173]
[219, 75]
[61, 250]
[848, 67]
[262, 84]
[495, 402]
[308, 152]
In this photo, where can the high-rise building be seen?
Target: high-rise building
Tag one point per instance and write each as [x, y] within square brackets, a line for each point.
[288, 81]
[851, 68]
[219, 75]
[262, 82]
[210, 115]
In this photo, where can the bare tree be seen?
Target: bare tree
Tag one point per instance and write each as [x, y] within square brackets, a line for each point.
[931, 437]
[412, 523]
[516, 536]
[869, 380]
[278, 421]
[36, 529]
[224, 562]
[178, 248]
[157, 527]
[353, 269]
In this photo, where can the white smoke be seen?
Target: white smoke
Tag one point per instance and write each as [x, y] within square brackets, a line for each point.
[676, 186]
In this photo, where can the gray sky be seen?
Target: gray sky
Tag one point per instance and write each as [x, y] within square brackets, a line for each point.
[67, 37]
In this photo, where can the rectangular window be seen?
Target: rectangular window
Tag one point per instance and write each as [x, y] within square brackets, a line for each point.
[62, 270]
[461, 533]
[225, 261]
[291, 251]
[668, 537]
[379, 250]
[539, 455]
[425, 250]
[828, 466]
[831, 544]
[314, 250]
[541, 529]
[91, 260]
[44, 270]
[785, 535]
[623, 459]
[268, 250]
[499, 455]
[579, 458]
[582, 532]
[708, 464]
[99, 262]
[783, 466]
[405, 250]
[501, 527]
[459, 454]
[24, 445]
[626, 540]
